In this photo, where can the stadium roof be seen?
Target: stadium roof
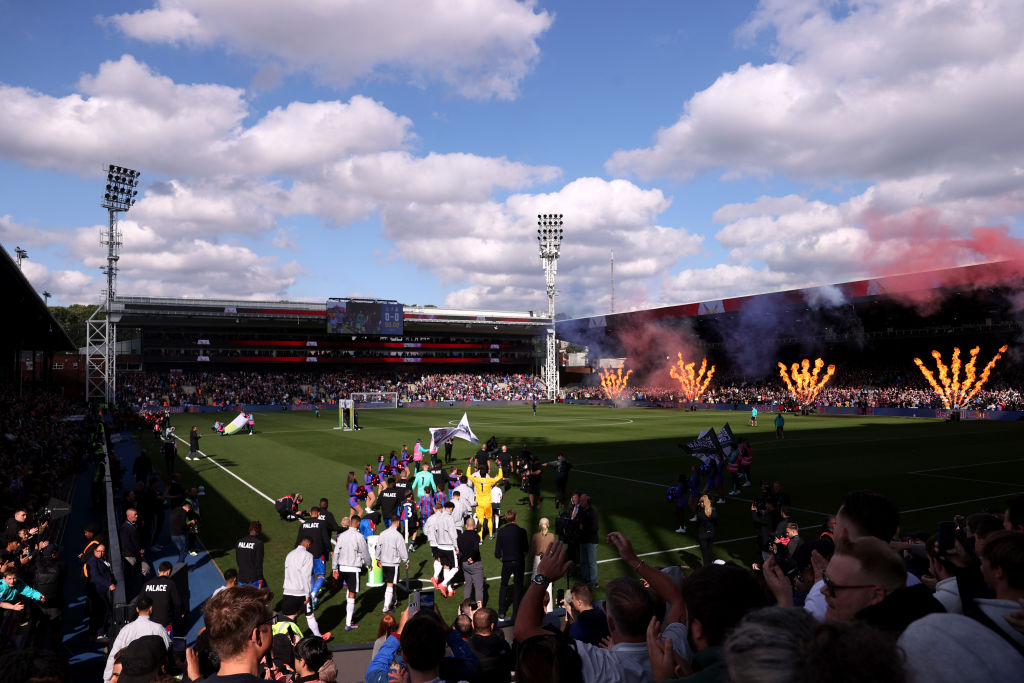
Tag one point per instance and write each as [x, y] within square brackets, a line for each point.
[34, 328]
[998, 273]
[145, 311]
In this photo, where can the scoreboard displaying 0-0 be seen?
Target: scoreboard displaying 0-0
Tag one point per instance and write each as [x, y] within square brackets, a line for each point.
[349, 316]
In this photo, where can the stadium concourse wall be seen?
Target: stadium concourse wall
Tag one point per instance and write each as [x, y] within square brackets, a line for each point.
[823, 410]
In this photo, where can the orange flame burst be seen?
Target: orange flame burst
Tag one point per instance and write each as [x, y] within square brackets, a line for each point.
[614, 385]
[953, 392]
[692, 384]
[806, 384]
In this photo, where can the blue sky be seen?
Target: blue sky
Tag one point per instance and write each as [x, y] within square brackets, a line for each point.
[401, 149]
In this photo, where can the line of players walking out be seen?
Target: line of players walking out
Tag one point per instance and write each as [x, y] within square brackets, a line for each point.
[406, 497]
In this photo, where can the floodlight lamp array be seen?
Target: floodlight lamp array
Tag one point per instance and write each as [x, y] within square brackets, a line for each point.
[120, 192]
[550, 232]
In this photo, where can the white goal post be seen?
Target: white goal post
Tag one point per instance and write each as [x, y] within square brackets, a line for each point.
[375, 399]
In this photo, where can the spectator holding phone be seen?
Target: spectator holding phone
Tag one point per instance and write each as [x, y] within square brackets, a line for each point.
[417, 650]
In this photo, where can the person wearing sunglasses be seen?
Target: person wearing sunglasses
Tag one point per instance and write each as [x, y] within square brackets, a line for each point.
[866, 581]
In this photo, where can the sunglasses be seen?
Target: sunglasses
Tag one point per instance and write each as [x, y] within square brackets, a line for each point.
[831, 587]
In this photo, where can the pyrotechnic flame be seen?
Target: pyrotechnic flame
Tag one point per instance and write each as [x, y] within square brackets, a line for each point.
[614, 385]
[954, 393]
[806, 384]
[693, 385]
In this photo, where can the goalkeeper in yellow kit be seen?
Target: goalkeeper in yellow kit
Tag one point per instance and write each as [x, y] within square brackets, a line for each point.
[483, 486]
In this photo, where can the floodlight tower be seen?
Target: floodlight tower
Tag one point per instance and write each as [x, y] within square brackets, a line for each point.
[101, 327]
[549, 236]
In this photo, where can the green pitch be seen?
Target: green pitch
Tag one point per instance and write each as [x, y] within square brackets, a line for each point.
[625, 458]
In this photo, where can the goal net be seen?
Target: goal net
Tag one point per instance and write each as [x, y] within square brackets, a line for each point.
[375, 399]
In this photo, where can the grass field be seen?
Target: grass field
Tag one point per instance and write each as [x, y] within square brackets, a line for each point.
[625, 458]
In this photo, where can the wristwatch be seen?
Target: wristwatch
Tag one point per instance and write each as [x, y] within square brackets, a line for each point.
[540, 580]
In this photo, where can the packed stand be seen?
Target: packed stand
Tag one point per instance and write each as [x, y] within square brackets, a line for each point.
[287, 388]
[44, 442]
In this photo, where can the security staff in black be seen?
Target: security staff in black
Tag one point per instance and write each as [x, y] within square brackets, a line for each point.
[439, 475]
[166, 600]
[317, 530]
[327, 517]
[249, 557]
[389, 502]
[510, 546]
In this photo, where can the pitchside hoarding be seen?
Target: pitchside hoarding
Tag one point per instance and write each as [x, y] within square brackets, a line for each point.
[347, 316]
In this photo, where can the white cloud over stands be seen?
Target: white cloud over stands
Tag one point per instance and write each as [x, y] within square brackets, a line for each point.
[884, 90]
[601, 215]
[340, 161]
[189, 129]
[477, 48]
[910, 97]
[71, 286]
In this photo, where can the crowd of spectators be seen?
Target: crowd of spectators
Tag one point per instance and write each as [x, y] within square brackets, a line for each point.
[44, 441]
[287, 388]
[847, 389]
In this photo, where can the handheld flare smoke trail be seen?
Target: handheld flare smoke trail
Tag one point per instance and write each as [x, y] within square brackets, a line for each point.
[954, 393]
[614, 385]
[806, 384]
[692, 384]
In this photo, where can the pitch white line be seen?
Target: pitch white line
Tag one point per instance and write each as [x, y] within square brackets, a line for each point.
[263, 495]
[973, 464]
[980, 481]
[961, 502]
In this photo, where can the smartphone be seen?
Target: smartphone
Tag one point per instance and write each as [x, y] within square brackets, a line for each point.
[414, 602]
[945, 536]
[427, 600]
[178, 644]
[559, 597]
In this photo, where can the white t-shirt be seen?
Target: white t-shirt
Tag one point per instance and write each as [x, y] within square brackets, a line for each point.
[496, 495]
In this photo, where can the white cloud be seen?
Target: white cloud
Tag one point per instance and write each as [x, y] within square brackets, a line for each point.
[14, 234]
[723, 280]
[66, 286]
[868, 90]
[478, 48]
[497, 248]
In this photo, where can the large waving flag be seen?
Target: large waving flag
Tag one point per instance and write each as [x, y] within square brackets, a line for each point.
[236, 424]
[438, 435]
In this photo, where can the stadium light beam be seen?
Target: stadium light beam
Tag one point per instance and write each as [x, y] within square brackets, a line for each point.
[101, 329]
[549, 238]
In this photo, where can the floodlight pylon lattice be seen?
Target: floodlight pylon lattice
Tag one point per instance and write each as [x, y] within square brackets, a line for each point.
[101, 327]
[549, 238]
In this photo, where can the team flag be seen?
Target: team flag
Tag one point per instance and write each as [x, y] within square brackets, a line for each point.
[439, 435]
[726, 437]
[236, 424]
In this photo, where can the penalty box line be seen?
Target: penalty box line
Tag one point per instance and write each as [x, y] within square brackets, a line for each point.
[256, 490]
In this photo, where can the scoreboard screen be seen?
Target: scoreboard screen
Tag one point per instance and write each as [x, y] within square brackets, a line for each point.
[347, 316]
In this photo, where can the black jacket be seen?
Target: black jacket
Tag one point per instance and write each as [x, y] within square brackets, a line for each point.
[587, 521]
[131, 540]
[511, 543]
[389, 502]
[166, 601]
[705, 523]
[177, 525]
[468, 544]
[316, 529]
[900, 608]
[249, 558]
[495, 657]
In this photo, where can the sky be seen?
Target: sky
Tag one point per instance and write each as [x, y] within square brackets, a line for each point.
[402, 149]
